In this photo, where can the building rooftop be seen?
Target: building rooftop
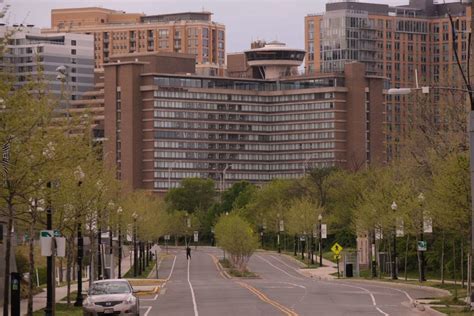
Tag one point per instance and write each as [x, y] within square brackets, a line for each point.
[414, 8]
[181, 16]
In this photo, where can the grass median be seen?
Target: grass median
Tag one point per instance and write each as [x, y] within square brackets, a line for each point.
[229, 268]
[62, 310]
[145, 273]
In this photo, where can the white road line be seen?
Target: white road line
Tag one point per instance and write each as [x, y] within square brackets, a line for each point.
[150, 299]
[411, 299]
[192, 292]
[374, 303]
[147, 311]
[286, 264]
[261, 258]
[297, 285]
[172, 269]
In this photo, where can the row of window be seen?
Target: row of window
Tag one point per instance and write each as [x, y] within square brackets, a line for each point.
[235, 127]
[171, 166]
[254, 157]
[265, 138]
[248, 147]
[286, 157]
[243, 98]
[237, 108]
[235, 117]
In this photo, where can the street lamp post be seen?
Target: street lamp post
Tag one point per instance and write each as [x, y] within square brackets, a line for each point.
[421, 199]
[394, 255]
[295, 242]
[119, 212]
[320, 219]
[111, 248]
[79, 175]
[227, 166]
[49, 310]
[135, 254]
[99, 243]
[278, 233]
[63, 76]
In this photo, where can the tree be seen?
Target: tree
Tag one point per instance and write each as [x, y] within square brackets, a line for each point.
[194, 194]
[235, 235]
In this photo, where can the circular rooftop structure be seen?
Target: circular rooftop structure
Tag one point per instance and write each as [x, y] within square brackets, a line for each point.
[275, 59]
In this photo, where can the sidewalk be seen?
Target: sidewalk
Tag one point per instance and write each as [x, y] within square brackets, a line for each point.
[39, 300]
[322, 273]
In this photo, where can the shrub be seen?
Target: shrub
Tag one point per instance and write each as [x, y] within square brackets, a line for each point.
[237, 238]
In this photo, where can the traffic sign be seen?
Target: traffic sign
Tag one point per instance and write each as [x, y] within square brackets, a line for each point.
[46, 233]
[337, 257]
[196, 236]
[167, 237]
[336, 248]
[422, 245]
[324, 231]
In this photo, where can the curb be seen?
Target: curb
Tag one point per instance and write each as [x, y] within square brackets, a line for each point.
[441, 292]
[220, 268]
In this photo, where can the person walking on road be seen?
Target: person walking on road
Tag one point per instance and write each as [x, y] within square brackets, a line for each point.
[188, 252]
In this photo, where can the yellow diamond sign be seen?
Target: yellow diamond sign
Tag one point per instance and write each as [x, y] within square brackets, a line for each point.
[336, 248]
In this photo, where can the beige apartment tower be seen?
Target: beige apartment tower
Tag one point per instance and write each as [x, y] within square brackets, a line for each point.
[119, 33]
[394, 42]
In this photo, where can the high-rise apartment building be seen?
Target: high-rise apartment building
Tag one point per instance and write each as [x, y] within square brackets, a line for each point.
[162, 127]
[118, 33]
[394, 42]
[29, 52]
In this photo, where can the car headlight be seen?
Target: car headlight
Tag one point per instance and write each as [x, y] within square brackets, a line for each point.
[88, 302]
[130, 300]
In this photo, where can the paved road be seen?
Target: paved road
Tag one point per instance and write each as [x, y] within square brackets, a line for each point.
[197, 287]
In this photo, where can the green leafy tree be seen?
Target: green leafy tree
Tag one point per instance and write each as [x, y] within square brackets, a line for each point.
[194, 194]
[236, 237]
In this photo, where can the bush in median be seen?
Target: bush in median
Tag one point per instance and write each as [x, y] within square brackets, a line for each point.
[237, 238]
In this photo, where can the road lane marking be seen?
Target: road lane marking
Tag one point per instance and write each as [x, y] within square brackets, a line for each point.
[411, 299]
[222, 273]
[172, 269]
[290, 275]
[147, 311]
[265, 299]
[150, 299]
[374, 302]
[297, 285]
[192, 292]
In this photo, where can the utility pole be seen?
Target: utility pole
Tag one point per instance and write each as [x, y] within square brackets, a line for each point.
[471, 150]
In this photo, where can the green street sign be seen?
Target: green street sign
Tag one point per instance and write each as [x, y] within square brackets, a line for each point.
[422, 245]
[46, 233]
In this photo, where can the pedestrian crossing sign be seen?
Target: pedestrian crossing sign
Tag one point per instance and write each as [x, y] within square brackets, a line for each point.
[336, 248]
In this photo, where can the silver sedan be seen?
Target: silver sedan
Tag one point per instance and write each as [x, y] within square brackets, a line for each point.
[111, 297]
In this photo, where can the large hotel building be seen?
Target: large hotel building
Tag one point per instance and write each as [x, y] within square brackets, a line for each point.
[118, 33]
[393, 42]
[164, 124]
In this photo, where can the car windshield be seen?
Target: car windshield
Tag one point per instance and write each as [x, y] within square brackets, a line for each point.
[109, 288]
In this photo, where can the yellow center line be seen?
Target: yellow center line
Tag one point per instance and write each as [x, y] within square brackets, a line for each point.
[265, 299]
[257, 293]
[216, 262]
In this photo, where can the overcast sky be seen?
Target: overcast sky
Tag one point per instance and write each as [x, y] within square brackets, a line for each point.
[245, 20]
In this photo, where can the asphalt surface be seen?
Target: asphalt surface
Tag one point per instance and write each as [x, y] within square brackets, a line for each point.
[198, 287]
